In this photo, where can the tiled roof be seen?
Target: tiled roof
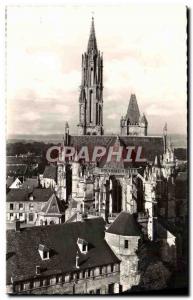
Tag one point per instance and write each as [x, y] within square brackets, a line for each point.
[54, 206]
[22, 195]
[125, 224]
[62, 241]
[151, 145]
[50, 172]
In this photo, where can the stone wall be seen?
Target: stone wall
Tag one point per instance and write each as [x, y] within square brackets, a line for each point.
[129, 275]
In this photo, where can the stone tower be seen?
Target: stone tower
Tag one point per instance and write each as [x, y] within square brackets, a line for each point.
[133, 123]
[91, 89]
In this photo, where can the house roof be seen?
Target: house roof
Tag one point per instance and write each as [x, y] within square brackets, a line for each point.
[61, 239]
[54, 206]
[50, 172]
[151, 145]
[22, 195]
[16, 184]
[125, 224]
[30, 183]
[9, 181]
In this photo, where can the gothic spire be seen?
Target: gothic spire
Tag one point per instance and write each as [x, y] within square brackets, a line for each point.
[133, 110]
[92, 43]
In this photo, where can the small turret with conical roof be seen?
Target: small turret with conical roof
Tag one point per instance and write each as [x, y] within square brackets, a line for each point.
[133, 123]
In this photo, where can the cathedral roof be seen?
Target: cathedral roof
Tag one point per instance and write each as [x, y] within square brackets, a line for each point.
[125, 224]
[133, 110]
[92, 43]
[151, 145]
[143, 119]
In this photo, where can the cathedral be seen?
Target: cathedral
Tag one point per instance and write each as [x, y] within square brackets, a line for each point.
[132, 196]
[128, 202]
[106, 188]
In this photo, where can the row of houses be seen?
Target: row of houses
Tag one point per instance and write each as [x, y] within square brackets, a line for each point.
[85, 257]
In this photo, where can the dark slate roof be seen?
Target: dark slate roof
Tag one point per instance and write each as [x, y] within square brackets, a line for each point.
[133, 114]
[30, 183]
[9, 181]
[16, 170]
[124, 224]
[151, 145]
[50, 172]
[22, 195]
[54, 206]
[62, 241]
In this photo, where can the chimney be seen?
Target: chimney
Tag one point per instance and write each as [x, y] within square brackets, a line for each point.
[77, 260]
[17, 225]
[37, 270]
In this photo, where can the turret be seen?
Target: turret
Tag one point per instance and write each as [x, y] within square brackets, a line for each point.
[66, 134]
[133, 123]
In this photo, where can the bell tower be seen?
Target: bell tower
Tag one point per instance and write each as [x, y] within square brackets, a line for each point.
[91, 89]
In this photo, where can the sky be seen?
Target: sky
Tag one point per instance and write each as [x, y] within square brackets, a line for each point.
[144, 52]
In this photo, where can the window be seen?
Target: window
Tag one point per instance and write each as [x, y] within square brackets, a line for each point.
[44, 282]
[31, 217]
[111, 288]
[20, 206]
[88, 273]
[31, 206]
[83, 274]
[84, 247]
[98, 291]
[71, 276]
[11, 206]
[36, 283]
[45, 254]
[26, 286]
[112, 268]
[126, 244]
[100, 272]
[11, 215]
[52, 280]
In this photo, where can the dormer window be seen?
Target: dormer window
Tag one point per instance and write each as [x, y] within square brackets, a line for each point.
[44, 252]
[31, 198]
[83, 245]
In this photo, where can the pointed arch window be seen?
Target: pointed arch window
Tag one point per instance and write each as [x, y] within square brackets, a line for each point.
[90, 105]
[91, 76]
